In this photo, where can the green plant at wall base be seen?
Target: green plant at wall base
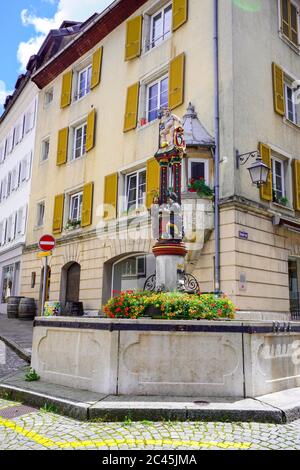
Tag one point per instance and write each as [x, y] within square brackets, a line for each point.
[32, 376]
[200, 187]
[173, 305]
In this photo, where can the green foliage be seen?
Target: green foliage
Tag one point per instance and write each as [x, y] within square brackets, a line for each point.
[32, 376]
[200, 187]
[49, 408]
[173, 305]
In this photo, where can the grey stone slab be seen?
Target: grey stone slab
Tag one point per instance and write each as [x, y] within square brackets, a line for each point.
[287, 400]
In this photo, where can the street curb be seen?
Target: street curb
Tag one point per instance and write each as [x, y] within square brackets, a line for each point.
[22, 353]
[102, 411]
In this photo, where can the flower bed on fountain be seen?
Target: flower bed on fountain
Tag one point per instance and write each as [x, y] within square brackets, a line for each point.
[170, 306]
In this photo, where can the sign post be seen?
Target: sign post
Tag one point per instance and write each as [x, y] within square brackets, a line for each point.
[46, 245]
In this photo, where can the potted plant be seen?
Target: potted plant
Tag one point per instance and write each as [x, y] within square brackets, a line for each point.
[198, 185]
[73, 224]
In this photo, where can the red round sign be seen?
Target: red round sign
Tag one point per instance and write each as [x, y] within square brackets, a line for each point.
[47, 243]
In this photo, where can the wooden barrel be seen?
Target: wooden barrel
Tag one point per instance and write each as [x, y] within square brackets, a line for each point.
[73, 309]
[27, 309]
[13, 307]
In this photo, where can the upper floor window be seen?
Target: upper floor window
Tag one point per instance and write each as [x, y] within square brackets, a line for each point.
[49, 94]
[290, 21]
[9, 143]
[292, 109]
[75, 212]
[79, 148]
[161, 26]
[45, 149]
[136, 189]
[157, 97]
[278, 175]
[84, 82]
[40, 214]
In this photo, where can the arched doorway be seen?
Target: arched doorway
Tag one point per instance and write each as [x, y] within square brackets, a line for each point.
[70, 283]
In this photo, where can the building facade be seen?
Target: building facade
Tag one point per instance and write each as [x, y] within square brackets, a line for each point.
[17, 140]
[94, 172]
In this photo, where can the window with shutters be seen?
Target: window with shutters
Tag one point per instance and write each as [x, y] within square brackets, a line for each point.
[160, 26]
[289, 21]
[157, 97]
[79, 141]
[135, 190]
[292, 104]
[83, 82]
[9, 143]
[75, 208]
[281, 179]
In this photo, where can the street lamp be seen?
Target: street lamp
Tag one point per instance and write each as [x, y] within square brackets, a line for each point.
[259, 171]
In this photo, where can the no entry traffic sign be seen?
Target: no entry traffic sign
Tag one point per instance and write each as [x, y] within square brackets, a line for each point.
[47, 243]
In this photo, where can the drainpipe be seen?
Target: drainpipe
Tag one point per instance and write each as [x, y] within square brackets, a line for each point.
[217, 148]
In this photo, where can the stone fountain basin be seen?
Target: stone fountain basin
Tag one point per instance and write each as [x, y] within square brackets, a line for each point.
[167, 357]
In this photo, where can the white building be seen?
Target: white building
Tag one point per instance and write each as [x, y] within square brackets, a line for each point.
[17, 137]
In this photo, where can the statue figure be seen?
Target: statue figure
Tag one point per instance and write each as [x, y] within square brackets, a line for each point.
[168, 124]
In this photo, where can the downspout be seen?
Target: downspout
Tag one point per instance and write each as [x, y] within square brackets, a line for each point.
[217, 149]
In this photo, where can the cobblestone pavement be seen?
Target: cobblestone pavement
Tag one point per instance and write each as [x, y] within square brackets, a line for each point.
[9, 361]
[26, 428]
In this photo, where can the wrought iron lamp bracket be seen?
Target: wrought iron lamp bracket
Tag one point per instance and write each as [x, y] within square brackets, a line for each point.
[242, 159]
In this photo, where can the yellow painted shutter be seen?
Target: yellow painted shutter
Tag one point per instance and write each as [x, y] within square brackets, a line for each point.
[296, 178]
[87, 205]
[176, 81]
[278, 89]
[90, 131]
[58, 215]
[96, 67]
[152, 181]
[180, 13]
[266, 190]
[66, 91]
[133, 37]
[131, 112]
[62, 146]
[111, 196]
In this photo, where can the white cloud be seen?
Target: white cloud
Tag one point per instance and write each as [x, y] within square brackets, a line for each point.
[3, 92]
[76, 10]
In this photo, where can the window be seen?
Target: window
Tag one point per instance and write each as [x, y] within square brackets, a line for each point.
[79, 141]
[157, 97]
[45, 149]
[84, 82]
[134, 266]
[75, 207]
[197, 169]
[292, 104]
[29, 118]
[278, 174]
[49, 94]
[290, 21]
[161, 26]
[40, 214]
[7, 282]
[135, 190]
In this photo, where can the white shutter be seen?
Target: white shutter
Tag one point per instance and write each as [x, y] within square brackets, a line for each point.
[4, 188]
[24, 219]
[3, 236]
[1, 232]
[28, 166]
[12, 226]
[1, 153]
[23, 169]
[19, 221]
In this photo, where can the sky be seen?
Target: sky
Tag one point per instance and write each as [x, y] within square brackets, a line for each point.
[24, 26]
